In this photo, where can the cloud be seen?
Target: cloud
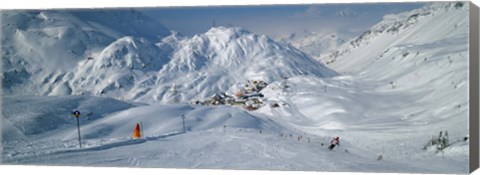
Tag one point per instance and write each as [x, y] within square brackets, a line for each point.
[347, 12]
[311, 12]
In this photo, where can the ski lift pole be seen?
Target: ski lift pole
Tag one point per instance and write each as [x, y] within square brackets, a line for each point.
[141, 129]
[78, 127]
[76, 113]
[183, 119]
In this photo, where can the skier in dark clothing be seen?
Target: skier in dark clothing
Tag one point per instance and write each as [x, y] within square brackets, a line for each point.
[335, 141]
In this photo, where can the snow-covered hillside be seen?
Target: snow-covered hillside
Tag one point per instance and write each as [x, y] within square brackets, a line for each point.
[30, 117]
[423, 53]
[197, 67]
[222, 57]
[444, 19]
[315, 44]
[39, 47]
[127, 63]
[397, 87]
[417, 63]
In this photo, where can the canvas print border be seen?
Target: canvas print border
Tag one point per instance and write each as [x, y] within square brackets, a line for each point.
[474, 87]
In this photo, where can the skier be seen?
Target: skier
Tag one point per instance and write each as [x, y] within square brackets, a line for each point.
[380, 158]
[334, 142]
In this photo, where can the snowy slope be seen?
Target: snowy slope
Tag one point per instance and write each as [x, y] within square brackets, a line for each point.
[206, 144]
[315, 44]
[396, 28]
[413, 70]
[26, 117]
[427, 59]
[158, 119]
[116, 67]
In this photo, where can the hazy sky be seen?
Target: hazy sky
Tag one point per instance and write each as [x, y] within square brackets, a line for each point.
[277, 20]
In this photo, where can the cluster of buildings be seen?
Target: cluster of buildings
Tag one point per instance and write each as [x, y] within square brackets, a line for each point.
[248, 96]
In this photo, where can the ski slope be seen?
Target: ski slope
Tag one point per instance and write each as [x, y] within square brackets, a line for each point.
[385, 93]
[207, 144]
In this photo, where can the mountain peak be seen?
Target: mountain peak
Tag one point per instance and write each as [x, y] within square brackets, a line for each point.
[226, 33]
[398, 24]
[227, 30]
[131, 66]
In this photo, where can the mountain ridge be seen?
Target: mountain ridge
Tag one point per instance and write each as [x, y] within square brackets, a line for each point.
[127, 66]
[392, 24]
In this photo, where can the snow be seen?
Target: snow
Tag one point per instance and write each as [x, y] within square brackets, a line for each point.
[46, 114]
[128, 67]
[58, 40]
[215, 61]
[386, 93]
[316, 44]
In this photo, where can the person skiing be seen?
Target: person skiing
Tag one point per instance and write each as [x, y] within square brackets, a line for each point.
[334, 142]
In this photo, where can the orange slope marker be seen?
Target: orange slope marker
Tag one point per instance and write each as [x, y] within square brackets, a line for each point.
[136, 132]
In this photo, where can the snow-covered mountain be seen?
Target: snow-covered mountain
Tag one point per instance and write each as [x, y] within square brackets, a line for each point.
[222, 57]
[315, 44]
[420, 56]
[395, 28]
[399, 86]
[201, 66]
[38, 47]
[130, 64]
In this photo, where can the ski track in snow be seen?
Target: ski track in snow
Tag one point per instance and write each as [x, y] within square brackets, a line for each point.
[91, 145]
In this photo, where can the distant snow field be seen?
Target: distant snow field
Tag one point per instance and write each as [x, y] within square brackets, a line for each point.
[397, 96]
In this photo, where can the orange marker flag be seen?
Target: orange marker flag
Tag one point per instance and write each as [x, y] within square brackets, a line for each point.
[136, 132]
